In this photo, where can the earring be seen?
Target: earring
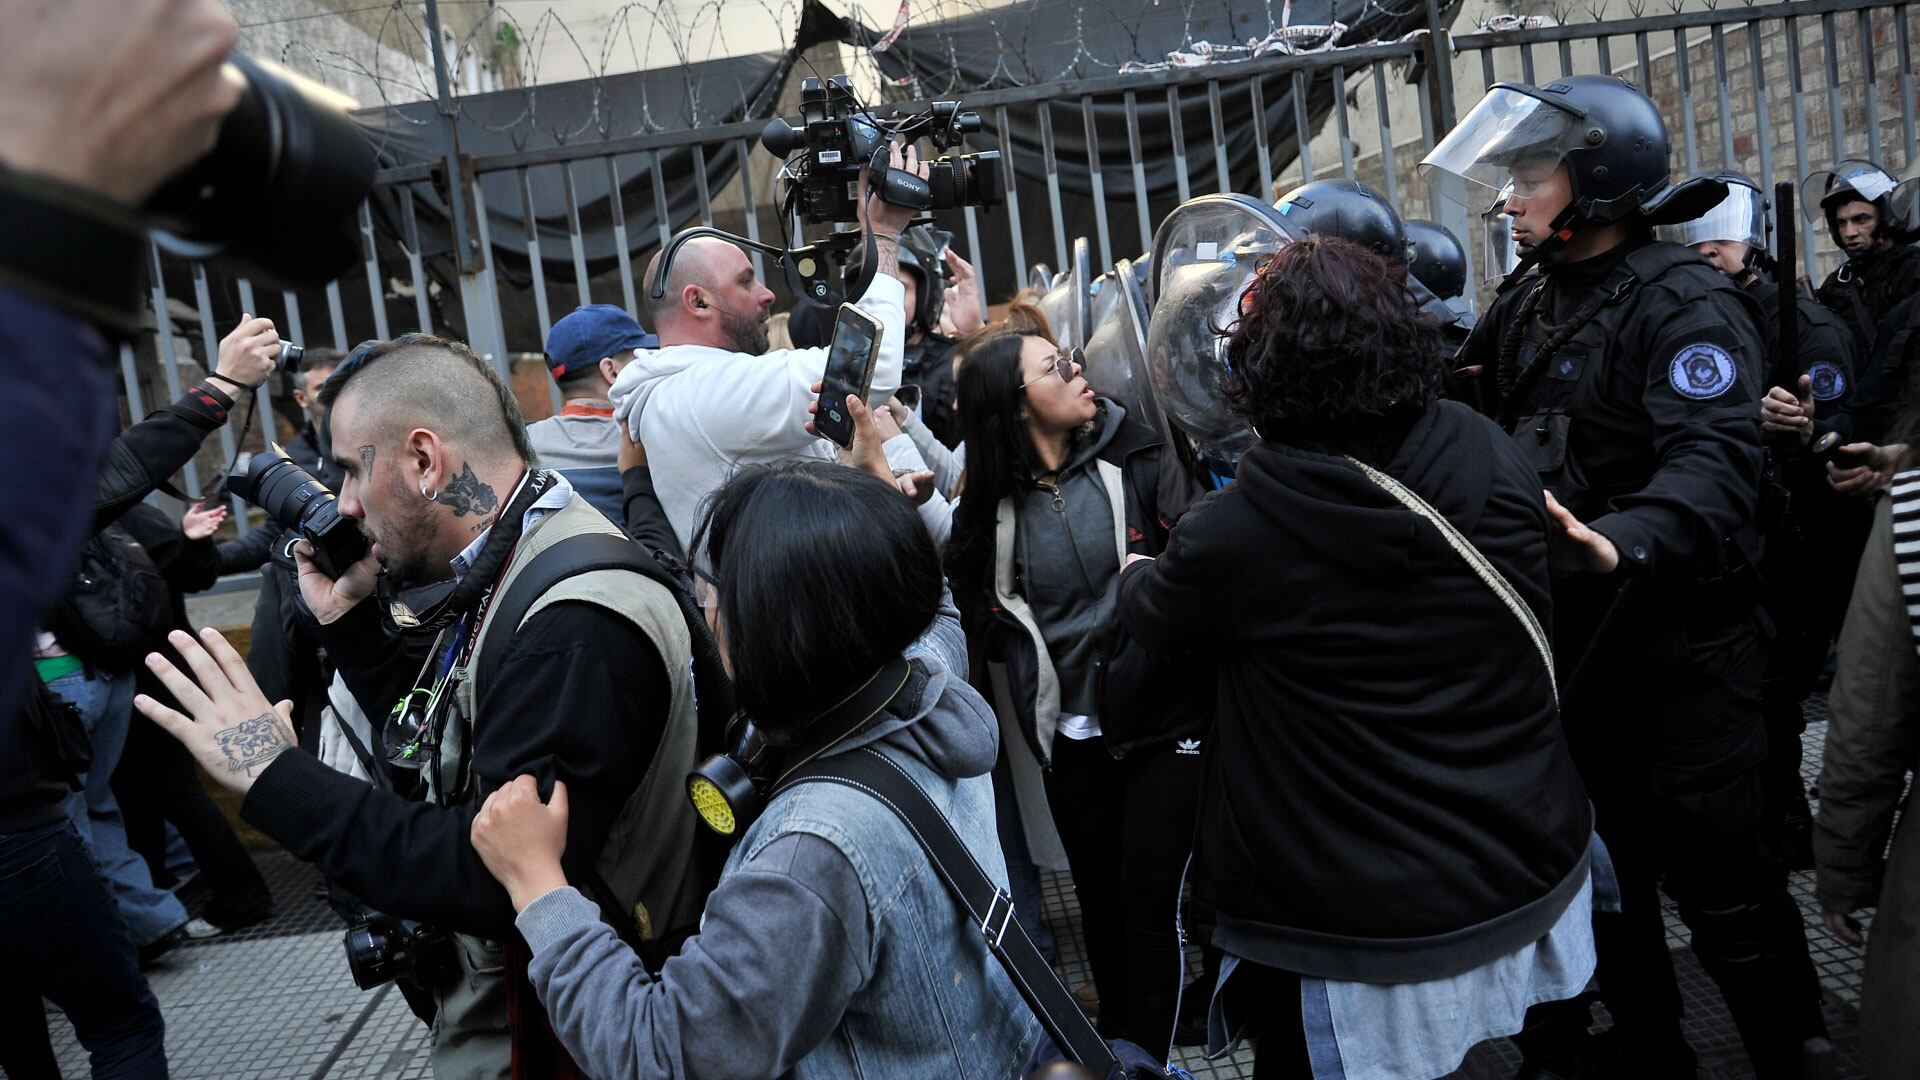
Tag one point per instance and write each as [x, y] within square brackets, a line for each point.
[426, 492]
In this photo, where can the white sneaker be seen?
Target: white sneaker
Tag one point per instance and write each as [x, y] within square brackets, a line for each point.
[201, 929]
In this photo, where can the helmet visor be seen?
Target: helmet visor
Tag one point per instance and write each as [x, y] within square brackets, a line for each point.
[1499, 252]
[1741, 217]
[1867, 181]
[1509, 139]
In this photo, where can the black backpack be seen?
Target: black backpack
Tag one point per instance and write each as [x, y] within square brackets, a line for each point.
[118, 608]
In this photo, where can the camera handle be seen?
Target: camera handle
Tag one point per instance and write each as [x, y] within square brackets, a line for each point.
[805, 267]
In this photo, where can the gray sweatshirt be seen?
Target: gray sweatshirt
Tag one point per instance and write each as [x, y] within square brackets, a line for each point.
[785, 944]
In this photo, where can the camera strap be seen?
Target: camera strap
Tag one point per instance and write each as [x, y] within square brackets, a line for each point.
[987, 906]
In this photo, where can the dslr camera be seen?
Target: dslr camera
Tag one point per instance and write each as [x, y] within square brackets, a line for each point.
[837, 136]
[303, 506]
[381, 948]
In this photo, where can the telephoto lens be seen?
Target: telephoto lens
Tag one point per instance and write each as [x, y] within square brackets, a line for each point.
[303, 506]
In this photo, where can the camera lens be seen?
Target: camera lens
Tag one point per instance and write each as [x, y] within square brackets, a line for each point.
[301, 505]
[369, 955]
[290, 355]
[282, 186]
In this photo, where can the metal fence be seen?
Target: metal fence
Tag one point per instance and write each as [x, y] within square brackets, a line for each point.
[1774, 90]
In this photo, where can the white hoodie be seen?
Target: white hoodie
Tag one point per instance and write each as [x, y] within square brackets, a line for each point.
[703, 412]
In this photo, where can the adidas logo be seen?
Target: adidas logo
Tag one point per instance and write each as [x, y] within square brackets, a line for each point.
[1187, 746]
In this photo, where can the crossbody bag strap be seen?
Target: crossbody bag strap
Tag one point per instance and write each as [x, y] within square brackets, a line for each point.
[987, 906]
[1485, 570]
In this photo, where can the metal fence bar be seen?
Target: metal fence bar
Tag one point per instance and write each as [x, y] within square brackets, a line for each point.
[1727, 159]
[1762, 109]
[1389, 162]
[661, 218]
[1836, 112]
[1907, 129]
[262, 399]
[416, 269]
[169, 360]
[1014, 232]
[1725, 13]
[376, 286]
[1052, 164]
[1873, 85]
[1486, 68]
[575, 240]
[1799, 102]
[1098, 181]
[493, 330]
[1605, 47]
[210, 341]
[1179, 143]
[972, 218]
[1222, 176]
[1566, 58]
[617, 208]
[1526, 65]
[534, 262]
[1140, 168]
[1340, 120]
[1683, 70]
[295, 332]
[1257, 101]
[337, 315]
[700, 184]
[752, 213]
[1641, 54]
[1302, 130]
[130, 377]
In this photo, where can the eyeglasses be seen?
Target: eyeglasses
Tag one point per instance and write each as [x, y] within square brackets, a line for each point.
[1065, 365]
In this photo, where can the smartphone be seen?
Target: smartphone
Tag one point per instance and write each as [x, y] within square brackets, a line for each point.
[850, 359]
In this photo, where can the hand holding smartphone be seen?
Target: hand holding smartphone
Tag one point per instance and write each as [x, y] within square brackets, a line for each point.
[850, 361]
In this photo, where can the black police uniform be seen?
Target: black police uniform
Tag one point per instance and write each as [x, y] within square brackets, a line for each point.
[1866, 287]
[1813, 544]
[1633, 380]
[929, 366]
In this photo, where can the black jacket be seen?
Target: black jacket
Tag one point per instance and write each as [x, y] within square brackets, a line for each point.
[1388, 793]
[1156, 492]
[580, 695]
[1866, 287]
[138, 460]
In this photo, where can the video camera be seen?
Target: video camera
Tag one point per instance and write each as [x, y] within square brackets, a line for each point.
[838, 137]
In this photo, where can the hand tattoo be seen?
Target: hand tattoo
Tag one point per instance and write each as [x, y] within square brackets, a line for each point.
[366, 459]
[465, 494]
[251, 745]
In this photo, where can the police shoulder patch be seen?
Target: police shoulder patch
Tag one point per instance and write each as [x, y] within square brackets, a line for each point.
[1702, 370]
[1829, 380]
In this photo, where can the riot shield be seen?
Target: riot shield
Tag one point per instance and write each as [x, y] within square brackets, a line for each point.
[1204, 255]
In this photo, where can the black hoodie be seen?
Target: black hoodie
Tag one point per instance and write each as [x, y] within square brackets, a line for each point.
[1389, 796]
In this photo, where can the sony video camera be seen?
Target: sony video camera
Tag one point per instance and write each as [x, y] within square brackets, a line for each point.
[303, 506]
[836, 137]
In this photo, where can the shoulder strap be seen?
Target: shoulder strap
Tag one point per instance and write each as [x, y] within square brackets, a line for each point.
[575, 555]
[986, 905]
[1485, 570]
[1618, 285]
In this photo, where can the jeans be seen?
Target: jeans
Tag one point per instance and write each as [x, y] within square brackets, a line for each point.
[106, 705]
[61, 938]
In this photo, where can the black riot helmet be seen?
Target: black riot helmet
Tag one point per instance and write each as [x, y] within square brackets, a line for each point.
[1436, 258]
[1863, 181]
[1608, 134]
[1349, 210]
[930, 290]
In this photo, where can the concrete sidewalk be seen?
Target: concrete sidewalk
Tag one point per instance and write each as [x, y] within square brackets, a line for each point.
[276, 1000]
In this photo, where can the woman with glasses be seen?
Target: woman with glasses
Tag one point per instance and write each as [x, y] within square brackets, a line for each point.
[1059, 489]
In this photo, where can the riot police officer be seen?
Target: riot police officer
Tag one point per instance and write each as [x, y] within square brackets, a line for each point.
[1870, 221]
[1436, 258]
[1631, 372]
[1353, 211]
[1813, 542]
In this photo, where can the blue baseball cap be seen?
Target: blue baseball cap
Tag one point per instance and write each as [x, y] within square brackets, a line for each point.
[588, 334]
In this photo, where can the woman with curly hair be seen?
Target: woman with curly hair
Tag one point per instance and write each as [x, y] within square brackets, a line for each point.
[1392, 833]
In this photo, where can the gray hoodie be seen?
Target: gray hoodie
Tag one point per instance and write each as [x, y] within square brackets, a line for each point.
[818, 949]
